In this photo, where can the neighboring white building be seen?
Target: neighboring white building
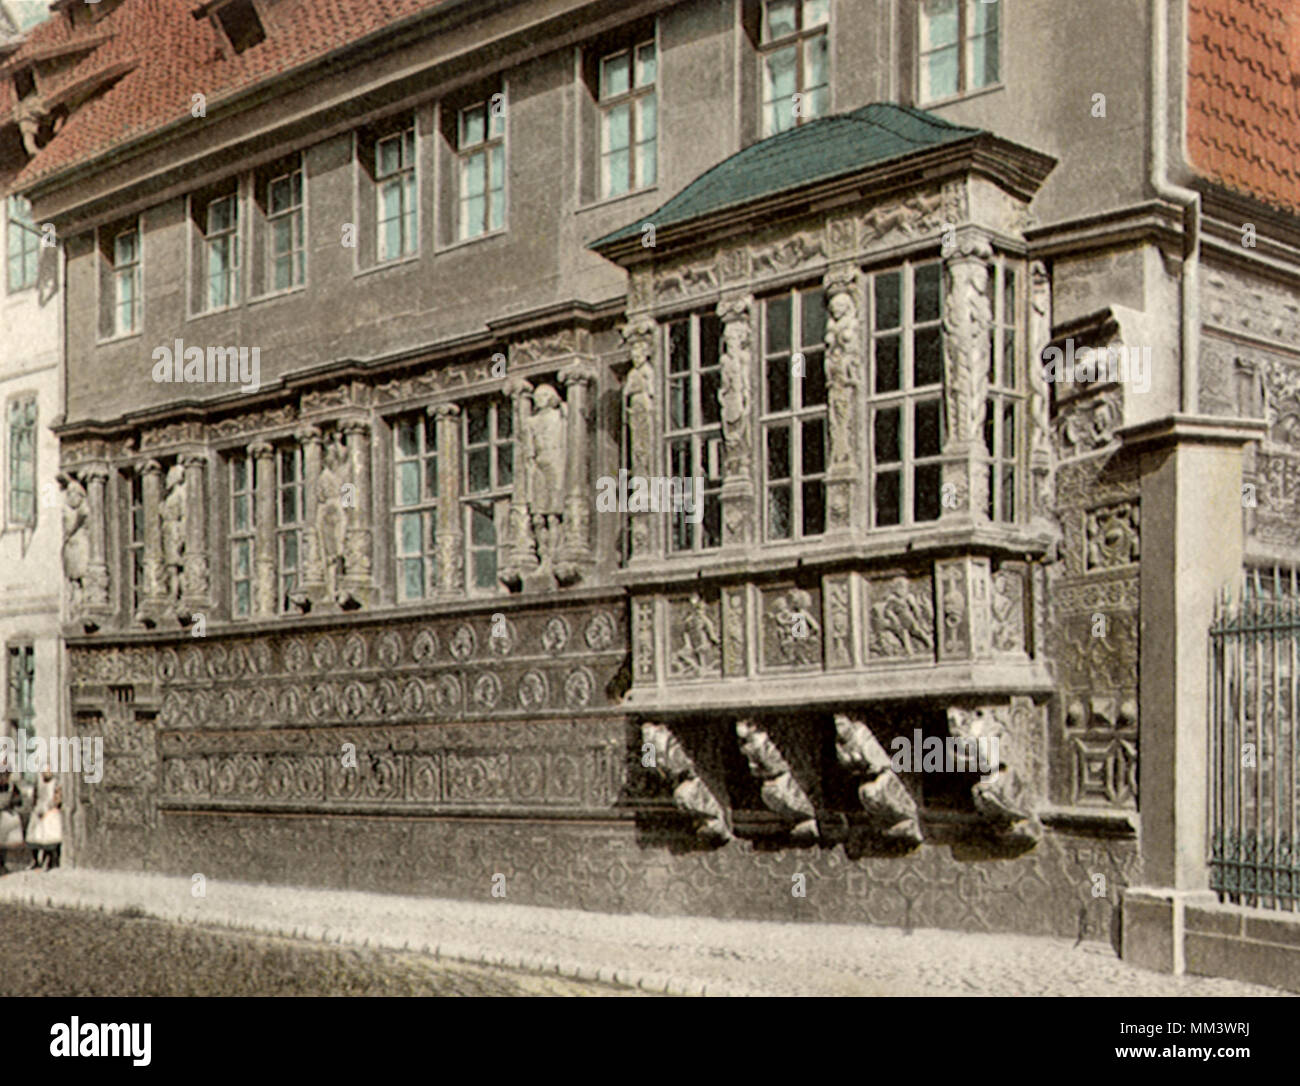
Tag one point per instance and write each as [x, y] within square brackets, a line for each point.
[31, 506]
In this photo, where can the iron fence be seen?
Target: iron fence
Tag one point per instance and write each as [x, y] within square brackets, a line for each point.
[1254, 694]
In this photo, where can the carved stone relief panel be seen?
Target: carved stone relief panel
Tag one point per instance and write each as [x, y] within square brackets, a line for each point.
[1007, 608]
[791, 629]
[900, 617]
[695, 644]
[1111, 536]
[838, 620]
[735, 630]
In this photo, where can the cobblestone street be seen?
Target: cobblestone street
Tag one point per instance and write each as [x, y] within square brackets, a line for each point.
[678, 955]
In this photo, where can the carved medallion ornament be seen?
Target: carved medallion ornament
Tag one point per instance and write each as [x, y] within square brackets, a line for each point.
[1111, 536]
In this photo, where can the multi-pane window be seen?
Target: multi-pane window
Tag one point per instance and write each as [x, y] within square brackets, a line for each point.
[243, 514]
[489, 476]
[126, 282]
[135, 540]
[395, 176]
[795, 62]
[221, 252]
[482, 150]
[629, 120]
[24, 245]
[284, 226]
[906, 416]
[21, 419]
[415, 496]
[1002, 420]
[693, 428]
[20, 702]
[958, 46]
[794, 414]
[290, 514]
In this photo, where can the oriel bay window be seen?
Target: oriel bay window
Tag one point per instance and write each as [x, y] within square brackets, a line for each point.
[415, 500]
[290, 522]
[243, 514]
[488, 446]
[693, 428]
[794, 414]
[906, 394]
[795, 62]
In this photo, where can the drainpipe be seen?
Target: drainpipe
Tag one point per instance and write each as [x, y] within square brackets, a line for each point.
[1188, 199]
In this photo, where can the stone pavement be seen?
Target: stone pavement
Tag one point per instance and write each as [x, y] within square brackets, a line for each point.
[680, 955]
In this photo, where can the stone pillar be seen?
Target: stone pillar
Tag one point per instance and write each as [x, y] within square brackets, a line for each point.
[195, 579]
[641, 397]
[97, 581]
[736, 401]
[358, 578]
[451, 537]
[1192, 546]
[312, 586]
[152, 595]
[844, 369]
[967, 320]
[266, 595]
[576, 551]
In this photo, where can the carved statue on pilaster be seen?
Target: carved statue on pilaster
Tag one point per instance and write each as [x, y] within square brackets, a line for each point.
[521, 552]
[640, 396]
[332, 517]
[781, 792]
[880, 791]
[545, 463]
[1041, 451]
[843, 365]
[734, 394]
[967, 318]
[76, 542]
[175, 508]
[691, 795]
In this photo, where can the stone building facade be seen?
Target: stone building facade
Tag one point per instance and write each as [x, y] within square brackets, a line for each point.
[369, 621]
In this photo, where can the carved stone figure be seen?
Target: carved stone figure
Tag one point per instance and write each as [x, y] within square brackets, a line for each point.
[545, 463]
[733, 394]
[781, 792]
[691, 795]
[332, 517]
[173, 513]
[967, 318]
[640, 388]
[76, 542]
[798, 632]
[1040, 433]
[843, 372]
[902, 618]
[999, 795]
[701, 645]
[881, 793]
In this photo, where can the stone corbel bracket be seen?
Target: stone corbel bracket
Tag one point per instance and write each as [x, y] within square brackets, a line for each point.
[691, 795]
[1000, 794]
[880, 790]
[781, 793]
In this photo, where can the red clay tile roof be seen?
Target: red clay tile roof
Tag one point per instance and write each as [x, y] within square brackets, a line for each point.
[1243, 125]
[177, 56]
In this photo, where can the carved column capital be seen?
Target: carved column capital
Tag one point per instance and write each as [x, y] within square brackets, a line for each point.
[261, 450]
[640, 329]
[577, 373]
[355, 426]
[444, 410]
[94, 473]
[309, 435]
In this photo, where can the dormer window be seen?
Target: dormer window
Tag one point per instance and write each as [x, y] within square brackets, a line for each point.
[241, 24]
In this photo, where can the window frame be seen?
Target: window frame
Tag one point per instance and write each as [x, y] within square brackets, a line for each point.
[129, 271]
[135, 538]
[21, 227]
[296, 214]
[798, 39]
[14, 405]
[493, 141]
[20, 711]
[794, 416]
[1007, 342]
[285, 530]
[244, 538]
[634, 98]
[700, 434]
[427, 507]
[907, 395]
[498, 494]
[208, 239]
[963, 46]
[406, 176]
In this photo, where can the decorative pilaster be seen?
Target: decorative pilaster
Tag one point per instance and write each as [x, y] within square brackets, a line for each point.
[521, 547]
[641, 398]
[735, 401]
[358, 581]
[313, 574]
[153, 598]
[576, 551]
[195, 585]
[965, 610]
[844, 366]
[451, 537]
[1041, 452]
[95, 478]
[263, 456]
[967, 320]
